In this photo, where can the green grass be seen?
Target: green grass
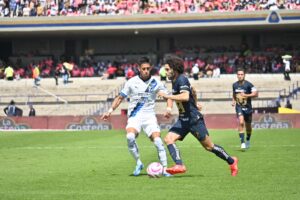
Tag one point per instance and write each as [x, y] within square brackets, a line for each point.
[97, 165]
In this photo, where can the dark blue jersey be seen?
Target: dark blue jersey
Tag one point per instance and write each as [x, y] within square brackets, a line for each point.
[187, 110]
[247, 88]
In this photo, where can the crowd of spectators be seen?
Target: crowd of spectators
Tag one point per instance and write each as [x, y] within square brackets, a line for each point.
[50, 67]
[204, 61]
[18, 8]
[227, 60]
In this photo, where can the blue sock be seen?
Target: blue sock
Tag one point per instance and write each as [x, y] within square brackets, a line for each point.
[221, 153]
[175, 154]
[242, 137]
[248, 136]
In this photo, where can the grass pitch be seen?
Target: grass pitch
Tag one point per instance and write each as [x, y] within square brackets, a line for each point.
[97, 166]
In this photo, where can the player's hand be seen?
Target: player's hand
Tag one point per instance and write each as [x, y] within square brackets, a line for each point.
[199, 106]
[243, 95]
[233, 103]
[105, 116]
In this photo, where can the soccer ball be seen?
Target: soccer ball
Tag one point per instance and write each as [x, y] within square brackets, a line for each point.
[154, 170]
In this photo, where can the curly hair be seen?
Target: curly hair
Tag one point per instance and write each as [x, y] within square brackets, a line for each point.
[175, 63]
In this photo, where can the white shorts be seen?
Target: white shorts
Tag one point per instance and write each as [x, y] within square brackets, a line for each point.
[147, 122]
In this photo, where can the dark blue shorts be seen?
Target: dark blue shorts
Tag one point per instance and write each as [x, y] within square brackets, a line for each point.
[198, 129]
[247, 113]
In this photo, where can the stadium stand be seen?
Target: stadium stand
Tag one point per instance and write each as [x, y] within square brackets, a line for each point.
[266, 60]
[216, 94]
[181, 25]
[130, 7]
[75, 98]
[83, 95]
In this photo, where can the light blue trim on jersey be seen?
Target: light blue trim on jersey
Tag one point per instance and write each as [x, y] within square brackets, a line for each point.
[136, 109]
[151, 86]
[123, 94]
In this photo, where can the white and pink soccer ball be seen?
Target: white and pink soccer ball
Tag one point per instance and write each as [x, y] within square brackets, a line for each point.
[155, 170]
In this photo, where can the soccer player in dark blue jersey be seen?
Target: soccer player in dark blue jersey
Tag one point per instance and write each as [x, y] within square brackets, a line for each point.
[190, 119]
[243, 91]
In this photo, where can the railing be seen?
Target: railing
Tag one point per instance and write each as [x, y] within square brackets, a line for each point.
[293, 90]
[58, 97]
[227, 95]
[102, 107]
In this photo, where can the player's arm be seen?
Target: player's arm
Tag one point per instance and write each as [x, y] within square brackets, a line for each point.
[233, 97]
[168, 112]
[194, 94]
[163, 90]
[183, 96]
[5, 110]
[254, 93]
[115, 104]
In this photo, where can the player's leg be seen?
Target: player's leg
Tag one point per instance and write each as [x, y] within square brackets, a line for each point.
[161, 151]
[200, 131]
[155, 137]
[221, 153]
[176, 132]
[241, 128]
[152, 129]
[216, 149]
[248, 121]
[170, 141]
[132, 130]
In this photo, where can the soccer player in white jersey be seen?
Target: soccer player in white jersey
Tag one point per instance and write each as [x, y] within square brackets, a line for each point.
[142, 90]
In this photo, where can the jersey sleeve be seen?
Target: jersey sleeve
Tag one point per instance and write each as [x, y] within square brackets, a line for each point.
[126, 90]
[161, 87]
[183, 84]
[252, 88]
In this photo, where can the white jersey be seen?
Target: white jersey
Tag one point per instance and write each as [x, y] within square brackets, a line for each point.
[142, 94]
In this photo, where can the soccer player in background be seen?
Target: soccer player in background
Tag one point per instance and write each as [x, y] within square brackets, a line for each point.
[142, 90]
[190, 119]
[243, 92]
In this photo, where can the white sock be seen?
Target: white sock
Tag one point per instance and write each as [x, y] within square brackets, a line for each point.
[162, 155]
[133, 148]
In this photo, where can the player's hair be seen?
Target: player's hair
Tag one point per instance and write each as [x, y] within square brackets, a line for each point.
[175, 63]
[143, 60]
[240, 69]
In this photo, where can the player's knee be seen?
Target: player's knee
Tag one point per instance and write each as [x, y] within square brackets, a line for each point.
[155, 135]
[242, 123]
[168, 140]
[248, 126]
[130, 137]
[208, 148]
